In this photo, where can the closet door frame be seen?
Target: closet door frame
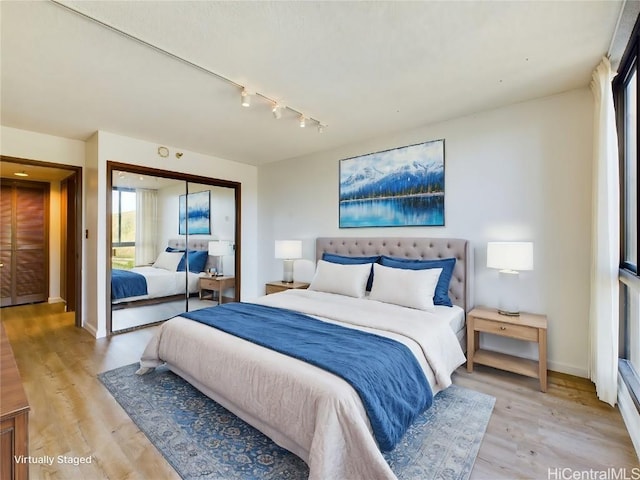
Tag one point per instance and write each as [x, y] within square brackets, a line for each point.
[187, 178]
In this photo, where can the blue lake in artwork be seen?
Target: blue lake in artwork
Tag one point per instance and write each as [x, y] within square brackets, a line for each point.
[197, 216]
[424, 210]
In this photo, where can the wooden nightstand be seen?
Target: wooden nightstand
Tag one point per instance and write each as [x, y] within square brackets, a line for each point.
[216, 284]
[280, 286]
[526, 326]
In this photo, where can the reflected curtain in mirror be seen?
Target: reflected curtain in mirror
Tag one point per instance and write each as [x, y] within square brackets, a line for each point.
[146, 249]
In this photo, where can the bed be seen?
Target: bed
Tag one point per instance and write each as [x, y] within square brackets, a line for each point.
[315, 414]
[165, 279]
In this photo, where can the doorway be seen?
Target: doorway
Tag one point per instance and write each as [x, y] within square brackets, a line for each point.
[61, 272]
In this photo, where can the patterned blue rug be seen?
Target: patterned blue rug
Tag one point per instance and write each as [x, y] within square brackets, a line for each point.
[202, 440]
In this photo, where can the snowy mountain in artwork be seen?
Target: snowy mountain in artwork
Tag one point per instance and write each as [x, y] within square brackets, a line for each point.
[414, 178]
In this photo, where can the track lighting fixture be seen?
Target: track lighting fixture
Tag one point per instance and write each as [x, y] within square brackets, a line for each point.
[303, 121]
[320, 128]
[245, 98]
[277, 111]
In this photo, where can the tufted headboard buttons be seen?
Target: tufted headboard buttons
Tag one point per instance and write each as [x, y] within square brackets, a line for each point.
[460, 288]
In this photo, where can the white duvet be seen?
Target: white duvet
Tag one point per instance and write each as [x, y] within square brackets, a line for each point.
[162, 283]
[312, 413]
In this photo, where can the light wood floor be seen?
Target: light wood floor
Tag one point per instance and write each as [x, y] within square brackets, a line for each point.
[72, 414]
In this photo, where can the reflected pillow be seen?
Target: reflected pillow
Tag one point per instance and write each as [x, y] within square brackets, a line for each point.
[197, 261]
[344, 260]
[405, 287]
[168, 261]
[349, 280]
[441, 295]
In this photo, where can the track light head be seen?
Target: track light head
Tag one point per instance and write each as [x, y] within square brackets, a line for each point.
[303, 121]
[321, 127]
[245, 98]
[277, 111]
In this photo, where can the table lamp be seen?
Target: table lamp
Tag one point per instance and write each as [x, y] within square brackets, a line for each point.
[218, 249]
[510, 258]
[288, 250]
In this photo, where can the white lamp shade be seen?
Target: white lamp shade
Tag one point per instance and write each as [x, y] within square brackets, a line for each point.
[288, 249]
[512, 256]
[219, 248]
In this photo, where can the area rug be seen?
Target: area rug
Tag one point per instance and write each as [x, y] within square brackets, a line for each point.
[202, 440]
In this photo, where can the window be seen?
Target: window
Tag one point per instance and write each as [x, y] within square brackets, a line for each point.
[629, 173]
[625, 88]
[123, 228]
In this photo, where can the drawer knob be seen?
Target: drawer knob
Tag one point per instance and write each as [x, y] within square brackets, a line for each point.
[502, 327]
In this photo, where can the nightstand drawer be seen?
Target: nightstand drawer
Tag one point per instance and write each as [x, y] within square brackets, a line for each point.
[521, 332]
[274, 289]
[209, 283]
[277, 286]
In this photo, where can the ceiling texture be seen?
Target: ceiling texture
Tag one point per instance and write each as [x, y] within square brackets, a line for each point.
[364, 69]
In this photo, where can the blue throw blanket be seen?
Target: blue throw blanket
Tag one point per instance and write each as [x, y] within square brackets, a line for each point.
[125, 283]
[384, 372]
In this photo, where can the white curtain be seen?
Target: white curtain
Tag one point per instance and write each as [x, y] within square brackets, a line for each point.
[146, 224]
[605, 240]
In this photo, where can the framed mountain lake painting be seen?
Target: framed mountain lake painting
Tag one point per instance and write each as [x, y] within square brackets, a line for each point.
[194, 213]
[394, 188]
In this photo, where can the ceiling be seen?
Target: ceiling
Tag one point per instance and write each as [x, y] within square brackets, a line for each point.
[365, 69]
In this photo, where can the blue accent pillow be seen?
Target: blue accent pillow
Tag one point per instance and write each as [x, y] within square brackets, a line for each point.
[197, 261]
[441, 295]
[342, 260]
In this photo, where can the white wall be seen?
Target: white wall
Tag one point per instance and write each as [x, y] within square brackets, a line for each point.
[522, 172]
[90, 260]
[112, 147]
[38, 146]
[55, 215]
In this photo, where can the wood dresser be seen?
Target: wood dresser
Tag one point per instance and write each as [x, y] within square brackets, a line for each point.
[14, 416]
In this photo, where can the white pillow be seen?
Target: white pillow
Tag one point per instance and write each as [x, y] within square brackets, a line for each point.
[349, 280]
[168, 260]
[408, 288]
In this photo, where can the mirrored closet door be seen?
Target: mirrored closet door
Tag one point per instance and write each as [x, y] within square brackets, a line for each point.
[174, 245]
[210, 225]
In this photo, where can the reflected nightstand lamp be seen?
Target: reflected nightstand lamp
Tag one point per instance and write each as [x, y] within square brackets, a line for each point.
[510, 258]
[288, 251]
[218, 249]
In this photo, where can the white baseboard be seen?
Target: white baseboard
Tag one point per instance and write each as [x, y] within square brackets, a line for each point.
[568, 369]
[56, 300]
[630, 414]
[91, 329]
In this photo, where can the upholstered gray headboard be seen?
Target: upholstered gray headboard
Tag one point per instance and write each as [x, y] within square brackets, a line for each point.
[194, 244]
[460, 288]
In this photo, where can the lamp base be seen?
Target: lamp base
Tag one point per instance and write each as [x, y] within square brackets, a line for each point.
[287, 274]
[508, 303]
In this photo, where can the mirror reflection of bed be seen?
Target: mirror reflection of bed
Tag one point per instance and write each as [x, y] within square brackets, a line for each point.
[160, 255]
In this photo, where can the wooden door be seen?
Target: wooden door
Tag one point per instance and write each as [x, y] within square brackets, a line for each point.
[24, 242]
